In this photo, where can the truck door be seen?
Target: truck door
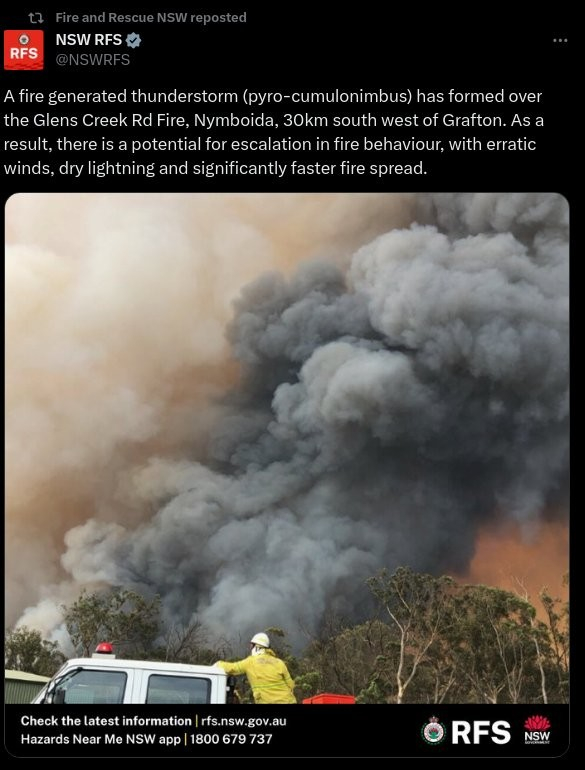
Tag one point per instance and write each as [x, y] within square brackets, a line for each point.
[177, 688]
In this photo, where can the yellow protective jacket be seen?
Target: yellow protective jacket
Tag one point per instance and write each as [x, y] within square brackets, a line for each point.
[268, 677]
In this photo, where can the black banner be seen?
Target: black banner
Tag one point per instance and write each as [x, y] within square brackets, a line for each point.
[301, 731]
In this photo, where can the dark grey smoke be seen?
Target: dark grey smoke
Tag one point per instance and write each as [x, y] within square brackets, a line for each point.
[382, 416]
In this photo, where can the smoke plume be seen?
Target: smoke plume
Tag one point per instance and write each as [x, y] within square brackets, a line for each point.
[391, 376]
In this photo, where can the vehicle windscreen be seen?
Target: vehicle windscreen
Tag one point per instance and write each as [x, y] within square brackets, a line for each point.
[94, 686]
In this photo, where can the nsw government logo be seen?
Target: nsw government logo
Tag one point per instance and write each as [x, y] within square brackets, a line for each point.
[433, 731]
[537, 730]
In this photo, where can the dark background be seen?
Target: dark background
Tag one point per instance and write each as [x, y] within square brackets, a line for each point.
[302, 47]
[310, 731]
[298, 47]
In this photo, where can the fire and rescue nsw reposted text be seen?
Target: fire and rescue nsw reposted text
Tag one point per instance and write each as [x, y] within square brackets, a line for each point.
[171, 733]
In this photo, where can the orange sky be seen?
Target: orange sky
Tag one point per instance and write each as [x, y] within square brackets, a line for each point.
[539, 559]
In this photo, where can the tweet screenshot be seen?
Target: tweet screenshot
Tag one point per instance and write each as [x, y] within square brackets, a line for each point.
[286, 382]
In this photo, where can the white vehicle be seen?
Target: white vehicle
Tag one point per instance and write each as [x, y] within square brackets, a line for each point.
[104, 678]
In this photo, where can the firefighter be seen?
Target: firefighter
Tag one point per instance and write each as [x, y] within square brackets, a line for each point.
[268, 675]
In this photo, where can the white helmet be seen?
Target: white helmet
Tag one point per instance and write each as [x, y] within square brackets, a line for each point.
[261, 640]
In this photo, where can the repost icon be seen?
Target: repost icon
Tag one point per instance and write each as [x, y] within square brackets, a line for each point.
[133, 40]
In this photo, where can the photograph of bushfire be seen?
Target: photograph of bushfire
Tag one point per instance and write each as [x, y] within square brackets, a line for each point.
[337, 420]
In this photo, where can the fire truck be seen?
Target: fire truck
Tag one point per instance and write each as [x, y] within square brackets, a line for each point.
[103, 678]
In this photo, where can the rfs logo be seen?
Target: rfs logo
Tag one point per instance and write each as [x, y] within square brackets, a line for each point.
[473, 732]
[433, 731]
[23, 49]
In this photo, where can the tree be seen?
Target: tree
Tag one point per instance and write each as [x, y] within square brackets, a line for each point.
[26, 650]
[119, 616]
[348, 660]
[496, 646]
[419, 607]
[557, 614]
[183, 642]
[188, 643]
[542, 641]
[443, 642]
